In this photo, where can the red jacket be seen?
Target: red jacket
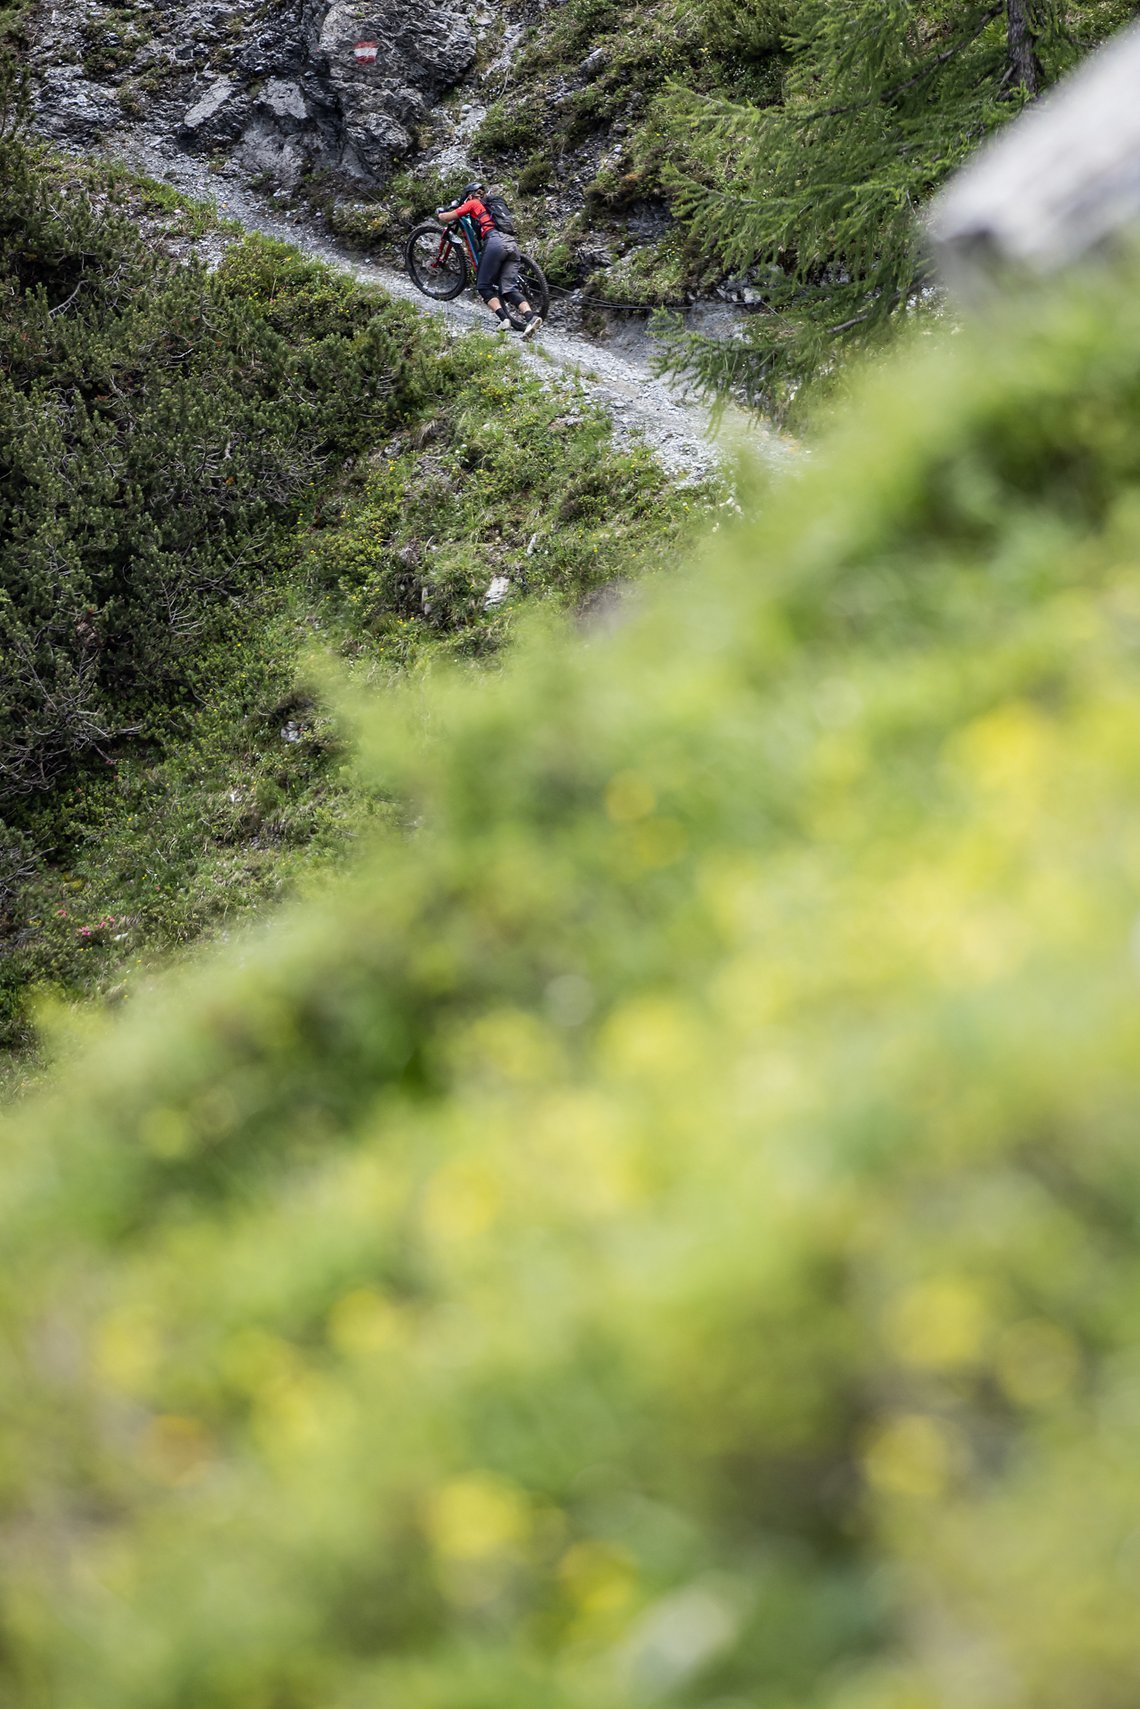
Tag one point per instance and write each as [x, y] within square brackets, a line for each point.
[479, 214]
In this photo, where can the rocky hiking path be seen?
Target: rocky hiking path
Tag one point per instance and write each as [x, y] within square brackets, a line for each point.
[617, 374]
[215, 100]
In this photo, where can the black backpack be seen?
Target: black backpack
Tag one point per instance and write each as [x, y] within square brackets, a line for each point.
[501, 215]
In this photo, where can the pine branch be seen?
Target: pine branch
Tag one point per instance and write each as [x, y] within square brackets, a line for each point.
[885, 97]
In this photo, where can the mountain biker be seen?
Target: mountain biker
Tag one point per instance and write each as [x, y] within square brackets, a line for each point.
[498, 278]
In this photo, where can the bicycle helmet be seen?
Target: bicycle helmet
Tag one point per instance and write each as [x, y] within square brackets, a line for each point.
[470, 190]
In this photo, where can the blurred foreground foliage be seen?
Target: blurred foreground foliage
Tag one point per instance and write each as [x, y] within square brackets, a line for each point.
[666, 1232]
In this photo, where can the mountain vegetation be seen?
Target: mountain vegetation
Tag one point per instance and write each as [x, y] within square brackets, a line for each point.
[661, 1230]
[648, 1219]
[771, 154]
[202, 476]
[821, 189]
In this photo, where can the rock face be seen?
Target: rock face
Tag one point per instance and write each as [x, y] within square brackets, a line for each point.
[423, 48]
[278, 89]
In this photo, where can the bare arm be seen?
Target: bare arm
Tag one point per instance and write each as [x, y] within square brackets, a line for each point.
[447, 215]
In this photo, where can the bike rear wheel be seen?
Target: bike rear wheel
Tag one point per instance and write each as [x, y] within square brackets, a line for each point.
[439, 274]
[532, 284]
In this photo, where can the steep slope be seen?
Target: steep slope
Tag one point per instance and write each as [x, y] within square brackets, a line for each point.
[205, 476]
[665, 1233]
[552, 97]
[618, 373]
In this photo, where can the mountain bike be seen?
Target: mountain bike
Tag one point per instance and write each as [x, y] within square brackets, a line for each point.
[443, 260]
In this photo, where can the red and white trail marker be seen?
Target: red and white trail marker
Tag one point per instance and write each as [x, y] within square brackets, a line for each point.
[366, 52]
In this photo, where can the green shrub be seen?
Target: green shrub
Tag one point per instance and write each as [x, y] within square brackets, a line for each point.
[360, 222]
[415, 196]
[508, 479]
[160, 433]
[655, 274]
[508, 126]
[535, 176]
[140, 492]
[13, 24]
[559, 263]
[664, 1231]
[751, 30]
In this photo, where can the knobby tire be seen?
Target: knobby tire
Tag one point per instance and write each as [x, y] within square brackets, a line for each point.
[444, 282]
[532, 282]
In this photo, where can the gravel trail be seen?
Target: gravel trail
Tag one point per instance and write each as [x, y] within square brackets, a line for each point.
[641, 405]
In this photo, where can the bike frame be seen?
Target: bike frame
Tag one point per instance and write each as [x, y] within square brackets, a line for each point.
[470, 243]
[471, 238]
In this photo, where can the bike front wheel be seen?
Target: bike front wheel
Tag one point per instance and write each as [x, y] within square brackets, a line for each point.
[437, 266]
[532, 284]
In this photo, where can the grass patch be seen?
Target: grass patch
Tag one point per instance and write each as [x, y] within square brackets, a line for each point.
[504, 493]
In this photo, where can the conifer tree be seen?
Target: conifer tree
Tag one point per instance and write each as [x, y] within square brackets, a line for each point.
[816, 197]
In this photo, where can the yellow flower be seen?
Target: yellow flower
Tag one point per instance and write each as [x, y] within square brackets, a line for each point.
[476, 1517]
